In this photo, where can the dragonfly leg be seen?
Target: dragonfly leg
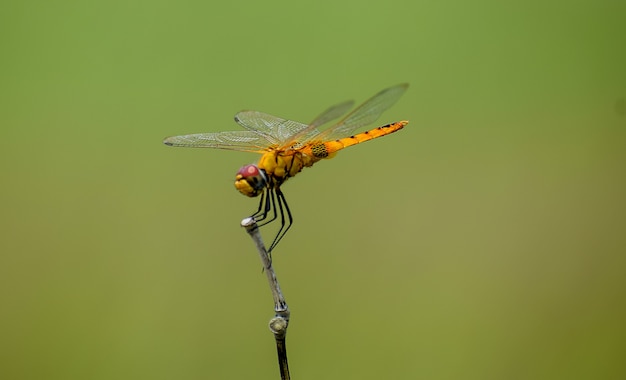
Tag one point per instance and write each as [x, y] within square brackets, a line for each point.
[282, 204]
[265, 205]
[261, 204]
[270, 204]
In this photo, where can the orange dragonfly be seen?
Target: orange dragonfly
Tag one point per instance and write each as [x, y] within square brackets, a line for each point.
[289, 146]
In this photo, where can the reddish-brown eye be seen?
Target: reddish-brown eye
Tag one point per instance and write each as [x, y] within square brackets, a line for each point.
[250, 180]
[249, 171]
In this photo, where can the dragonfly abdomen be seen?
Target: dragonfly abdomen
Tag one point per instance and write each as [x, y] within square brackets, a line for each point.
[328, 148]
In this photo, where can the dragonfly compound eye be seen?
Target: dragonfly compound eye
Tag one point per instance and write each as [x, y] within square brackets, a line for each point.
[250, 180]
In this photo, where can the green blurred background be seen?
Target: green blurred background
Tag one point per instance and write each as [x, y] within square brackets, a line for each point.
[486, 240]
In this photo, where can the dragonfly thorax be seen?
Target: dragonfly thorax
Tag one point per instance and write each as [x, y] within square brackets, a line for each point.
[250, 180]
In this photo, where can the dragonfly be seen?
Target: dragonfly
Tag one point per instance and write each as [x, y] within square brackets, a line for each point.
[288, 146]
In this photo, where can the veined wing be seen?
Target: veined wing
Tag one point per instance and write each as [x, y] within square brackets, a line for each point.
[244, 141]
[273, 129]
[332, 113]
[365, 114]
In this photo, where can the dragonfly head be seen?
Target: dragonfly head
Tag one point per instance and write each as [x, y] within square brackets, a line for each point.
[251, 180]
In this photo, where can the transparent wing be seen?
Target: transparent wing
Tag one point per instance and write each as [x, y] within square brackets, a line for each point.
[311, 130]
[274, 129]
[331, 113]
[244, 141]
[365, 114]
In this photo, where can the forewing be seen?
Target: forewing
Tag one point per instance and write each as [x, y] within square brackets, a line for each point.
[274, 129]
[244, 141]
[365, 114]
